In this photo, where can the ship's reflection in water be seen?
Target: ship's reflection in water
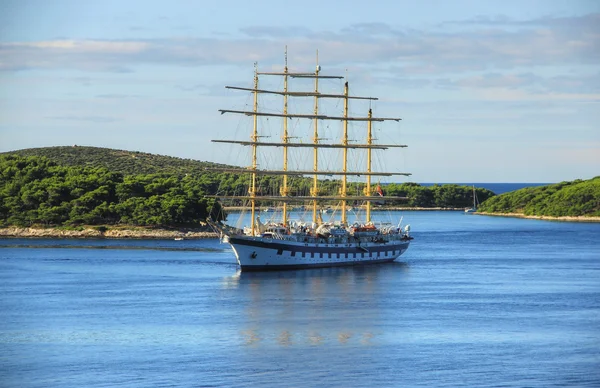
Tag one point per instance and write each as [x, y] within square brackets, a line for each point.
[314, 307]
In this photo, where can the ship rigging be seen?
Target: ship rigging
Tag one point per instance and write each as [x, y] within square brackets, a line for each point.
[291, 244]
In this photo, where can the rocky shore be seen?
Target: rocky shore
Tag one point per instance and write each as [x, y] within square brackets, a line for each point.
[132, 232]
[547, 218]
[101, 232]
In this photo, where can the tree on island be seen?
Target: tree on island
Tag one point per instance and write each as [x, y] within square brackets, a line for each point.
[34, 190]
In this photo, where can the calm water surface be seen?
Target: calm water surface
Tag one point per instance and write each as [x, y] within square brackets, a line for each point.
[479, 301]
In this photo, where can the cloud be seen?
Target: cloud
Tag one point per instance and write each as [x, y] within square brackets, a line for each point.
[489, 81]
[117, 96]
[484, 44]
[86, 46]
[191, 88]
[589, 21]
[278, 32]
[575, 87]
[566, 84]
[403, 82]
[370, 29]
[92, 119]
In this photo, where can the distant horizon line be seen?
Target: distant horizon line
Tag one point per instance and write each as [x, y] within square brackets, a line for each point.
[480, 183]
[476, 183]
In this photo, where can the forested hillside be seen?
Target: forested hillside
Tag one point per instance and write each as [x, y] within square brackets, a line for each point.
[576, 198]
[35, 190]
[139, 163]
[443, 196]
[124, 162]
[99, 186]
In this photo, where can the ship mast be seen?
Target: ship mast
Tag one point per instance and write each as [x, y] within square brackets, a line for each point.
[284, 190]
[254, 149]
[314, 196]
[368, 185]
[315, 189]
[345, 153]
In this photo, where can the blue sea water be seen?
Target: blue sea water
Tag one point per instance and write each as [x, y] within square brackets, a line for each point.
[475, 301]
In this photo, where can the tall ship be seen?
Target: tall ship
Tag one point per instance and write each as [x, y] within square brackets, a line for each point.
[317, 238]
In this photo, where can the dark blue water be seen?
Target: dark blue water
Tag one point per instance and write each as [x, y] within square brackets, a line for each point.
[477, 301]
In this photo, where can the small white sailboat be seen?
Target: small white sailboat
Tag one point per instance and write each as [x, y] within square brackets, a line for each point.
[475, 202]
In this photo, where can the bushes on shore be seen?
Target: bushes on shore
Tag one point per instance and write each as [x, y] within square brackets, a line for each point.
[137, 164]
[445, 196]
[34, 190]
[576, 198]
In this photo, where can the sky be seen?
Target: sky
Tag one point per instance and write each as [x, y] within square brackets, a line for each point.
[488, 91]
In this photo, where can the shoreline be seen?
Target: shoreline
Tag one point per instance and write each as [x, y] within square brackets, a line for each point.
[133, 233]
[117, 233]
[543, 218]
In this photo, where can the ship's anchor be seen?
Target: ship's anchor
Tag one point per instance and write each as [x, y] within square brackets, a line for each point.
[253, 255]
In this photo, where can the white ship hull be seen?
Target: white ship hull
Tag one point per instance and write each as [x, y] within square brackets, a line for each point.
[264, 254]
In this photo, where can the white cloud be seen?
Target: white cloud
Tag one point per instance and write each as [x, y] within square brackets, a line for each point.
[485, 45]
[535, 84]
[96, 46]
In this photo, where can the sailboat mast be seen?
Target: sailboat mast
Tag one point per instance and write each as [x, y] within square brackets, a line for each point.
[284, 189]
[254, 149]
[369, 142]
[315, 188]
[345, 152]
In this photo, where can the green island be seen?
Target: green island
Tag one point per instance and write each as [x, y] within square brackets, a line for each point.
[578, 200]
[75, 191]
